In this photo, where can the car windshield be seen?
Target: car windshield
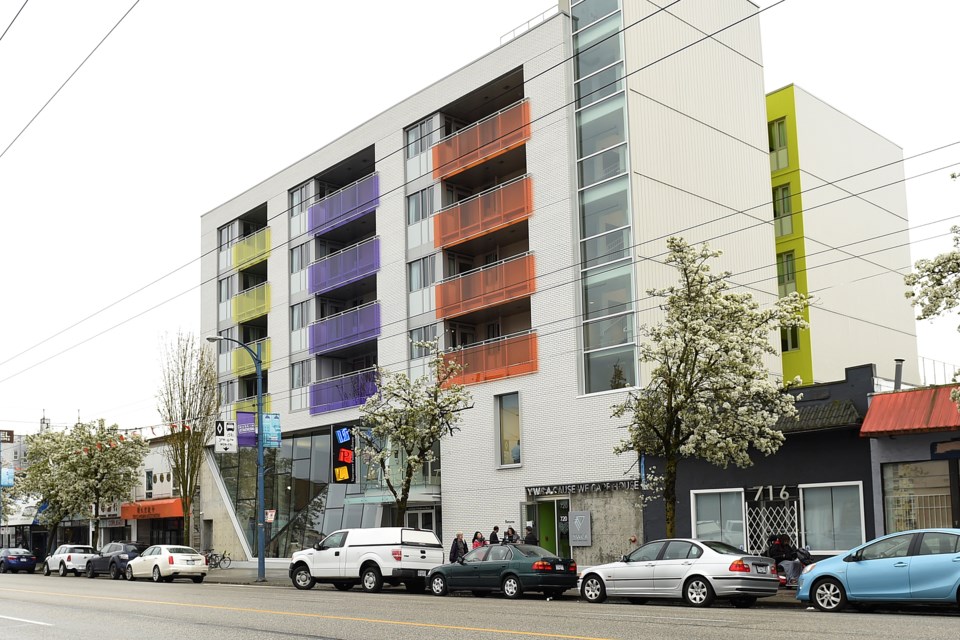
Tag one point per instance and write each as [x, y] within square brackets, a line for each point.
[182, 550]
[531, 551]
[722, 547]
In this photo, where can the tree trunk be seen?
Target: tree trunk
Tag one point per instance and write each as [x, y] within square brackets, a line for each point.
[94, 537]
[670, 494]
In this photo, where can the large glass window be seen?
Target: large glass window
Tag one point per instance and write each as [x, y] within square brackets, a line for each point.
[832, 517]
[602, 125]
[603, 165]
[597, 46]
[508, 428]
[589, 11]
[916, 495]
[777, 134]
[419, 206]
[782, 211]
[608, 332]
[608, 290]
[718, 515]
[786, 273]
[600, 85]
[609, 247]
[605, 207]
[610, 368]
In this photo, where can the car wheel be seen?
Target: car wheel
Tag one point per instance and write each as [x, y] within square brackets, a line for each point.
[438, 585]
[637, 600]
[828, 595]
[90, 572]
[370, 579]
[511, 587]
[197, 579]
[156, 575]
[743, 602]
[301, 577]
[414, 586]
[342, 586]
[3, 568]
[592, 589]
[62, 572]
[115, 572]
[129, 573]
[46, 569]
[697, 592]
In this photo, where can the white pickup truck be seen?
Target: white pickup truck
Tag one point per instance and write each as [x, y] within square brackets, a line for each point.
[68, 558]
[370, 558]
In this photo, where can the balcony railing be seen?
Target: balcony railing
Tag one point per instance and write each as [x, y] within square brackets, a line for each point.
[349, 203]
[352, 326]
[345, 266]
[344, 391]
[487, 286]
[252, 249]
[512, 355]
[495, 134]
[249, 405]
[485, 212]
[242, 362]
[251, 303]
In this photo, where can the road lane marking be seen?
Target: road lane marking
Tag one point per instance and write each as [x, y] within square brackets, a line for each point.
[320, 616]
[42, 624]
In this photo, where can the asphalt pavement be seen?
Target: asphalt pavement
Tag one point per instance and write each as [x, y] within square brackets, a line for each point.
[275, 575]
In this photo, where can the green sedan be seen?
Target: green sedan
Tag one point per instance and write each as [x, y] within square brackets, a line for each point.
[510, 568]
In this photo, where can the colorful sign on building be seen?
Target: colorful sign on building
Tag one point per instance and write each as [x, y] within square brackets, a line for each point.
[344, 456]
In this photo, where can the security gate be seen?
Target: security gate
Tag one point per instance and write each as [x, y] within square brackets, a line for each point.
[766, 517]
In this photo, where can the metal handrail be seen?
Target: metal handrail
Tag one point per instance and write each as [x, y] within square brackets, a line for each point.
[533, 22]
[248, 289]
[498, 263]
[336, 253]
[345, 187]
[345, 375]
[516, 334]
[482, 193]
[345, 311]
[481, 121]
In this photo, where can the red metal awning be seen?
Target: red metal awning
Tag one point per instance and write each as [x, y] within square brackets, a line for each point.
[152, 509]
[913, 411]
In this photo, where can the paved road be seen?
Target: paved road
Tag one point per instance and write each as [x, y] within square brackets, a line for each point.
[33, 607]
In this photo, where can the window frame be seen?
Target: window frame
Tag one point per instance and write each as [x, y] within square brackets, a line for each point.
[803, 514]
[779, 147]
[786, 278]
[423, 270]
[498, 412]
[743, 513]
[782, 218]
[789, 339]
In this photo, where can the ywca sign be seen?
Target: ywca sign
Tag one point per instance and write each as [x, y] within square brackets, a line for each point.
[583, 487]
[581, 533]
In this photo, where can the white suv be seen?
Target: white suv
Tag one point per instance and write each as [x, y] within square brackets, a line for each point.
[370, 558]
[68, 558]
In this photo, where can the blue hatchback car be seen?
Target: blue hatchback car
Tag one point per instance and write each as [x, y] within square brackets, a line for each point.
[14, 560]
[910, 567]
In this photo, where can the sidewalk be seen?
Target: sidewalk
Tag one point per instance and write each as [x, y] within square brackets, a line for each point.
[276, 576]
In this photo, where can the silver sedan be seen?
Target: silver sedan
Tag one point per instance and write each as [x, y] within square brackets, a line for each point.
[695, 571]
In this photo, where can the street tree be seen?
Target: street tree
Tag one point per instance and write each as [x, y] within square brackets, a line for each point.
[404, 420]
[104, 467]
[47, 479]
[709, 395]
[188, 401]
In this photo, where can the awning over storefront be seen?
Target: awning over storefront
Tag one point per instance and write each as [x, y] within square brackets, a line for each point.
[152, 509]
[913, 411]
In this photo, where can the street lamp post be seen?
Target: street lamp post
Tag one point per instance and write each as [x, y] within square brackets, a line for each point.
[261, 526]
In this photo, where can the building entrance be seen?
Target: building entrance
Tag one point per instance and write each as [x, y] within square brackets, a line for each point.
[550, 519]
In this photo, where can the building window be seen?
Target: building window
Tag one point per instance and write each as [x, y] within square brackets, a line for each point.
[419, 206]
[778, 144]
[718, 515]
[789, 339]
[300, 199]
[227, 236]
[299, 257]
[916, 495]
[225, 288]
[227, 393]
[786, 273]
[508, 428]
[421, 334]
[299, 315]
[422, 273]
[832, 516]
[420, 137]
[300, 374]
[782, 211]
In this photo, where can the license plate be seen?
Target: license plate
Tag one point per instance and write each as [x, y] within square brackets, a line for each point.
[559, 567]
[761, 568]
[421, 572]
[191, 561]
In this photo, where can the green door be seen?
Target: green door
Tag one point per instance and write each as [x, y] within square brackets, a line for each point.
[546, 526]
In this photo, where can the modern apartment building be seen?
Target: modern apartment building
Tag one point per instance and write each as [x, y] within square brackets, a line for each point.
[841, 225]
[518, 211]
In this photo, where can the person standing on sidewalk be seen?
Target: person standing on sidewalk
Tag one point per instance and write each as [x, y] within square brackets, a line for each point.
[495, 535]
[459, 547]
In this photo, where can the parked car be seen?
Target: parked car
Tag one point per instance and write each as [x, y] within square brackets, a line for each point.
[164, 563]
[368, 557]
[911, 567]
[112, 559]
[68, 558]
[696, 571]
[14, 560]
[511, 568]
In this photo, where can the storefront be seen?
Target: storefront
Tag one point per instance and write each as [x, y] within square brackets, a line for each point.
[155, 521]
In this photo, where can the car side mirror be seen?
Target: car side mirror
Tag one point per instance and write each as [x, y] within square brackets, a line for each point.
[853, 557]
[624, 558]
[316, 545]
[460, 560]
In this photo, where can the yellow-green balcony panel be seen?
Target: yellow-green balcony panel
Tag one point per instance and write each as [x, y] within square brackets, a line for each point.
[249, 405]
[252, 249]
[242, 362]
[252, 303]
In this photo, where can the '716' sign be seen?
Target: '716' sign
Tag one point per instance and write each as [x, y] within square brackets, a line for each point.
[784, 493]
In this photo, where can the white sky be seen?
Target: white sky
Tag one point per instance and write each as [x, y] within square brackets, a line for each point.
[187, 104]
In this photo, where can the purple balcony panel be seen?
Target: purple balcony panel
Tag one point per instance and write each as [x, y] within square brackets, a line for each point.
[340, 393]
[350, 203]
[349, 265]
[344, 329]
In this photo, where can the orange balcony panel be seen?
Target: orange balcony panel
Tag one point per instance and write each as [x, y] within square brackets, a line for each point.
[486, 139]
[489, 211]
[498, 283]
[511, 356]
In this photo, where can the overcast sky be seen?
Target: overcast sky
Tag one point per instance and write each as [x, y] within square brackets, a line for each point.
[186, 104]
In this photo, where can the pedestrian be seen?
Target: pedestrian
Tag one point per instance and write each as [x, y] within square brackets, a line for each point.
[478, 540]
[459, 547]
[633, 541]
[510, 536]
[495, 535]
[530, 538]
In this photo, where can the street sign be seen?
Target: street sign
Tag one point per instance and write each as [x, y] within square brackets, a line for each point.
[6, 437]
[271, 430]
[269, 515]
[225, 440]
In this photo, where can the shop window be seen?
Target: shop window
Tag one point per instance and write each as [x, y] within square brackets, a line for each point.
[832, 516]
[916, 495]
[718, 515]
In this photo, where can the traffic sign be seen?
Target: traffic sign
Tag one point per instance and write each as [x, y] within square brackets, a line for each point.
[269, 515]
[225, 440]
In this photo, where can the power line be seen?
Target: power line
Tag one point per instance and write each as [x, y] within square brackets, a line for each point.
[14, 19]
[26, 126]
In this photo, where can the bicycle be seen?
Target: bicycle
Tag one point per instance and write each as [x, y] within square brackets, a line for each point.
[217, 560]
